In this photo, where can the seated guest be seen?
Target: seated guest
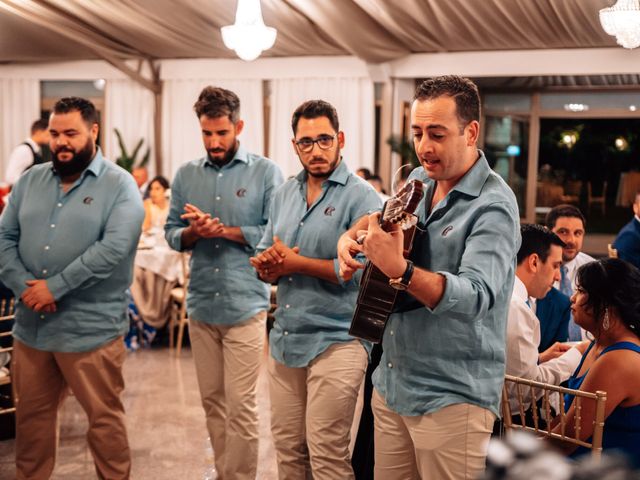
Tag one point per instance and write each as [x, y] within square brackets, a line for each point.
[539, 260]
[156, 207]
[554, 315]
[607, 304]
[627, 243]
[568, 222]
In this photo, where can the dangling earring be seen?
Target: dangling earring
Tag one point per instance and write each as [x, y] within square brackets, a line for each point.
[605, 321]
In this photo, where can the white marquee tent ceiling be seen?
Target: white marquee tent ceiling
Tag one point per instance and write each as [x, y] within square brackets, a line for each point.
[375, 31]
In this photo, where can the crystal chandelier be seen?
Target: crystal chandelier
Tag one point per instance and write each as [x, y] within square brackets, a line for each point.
[249, 36]
[623, 21]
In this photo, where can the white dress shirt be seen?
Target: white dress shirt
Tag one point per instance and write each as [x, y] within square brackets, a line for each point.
[572, 270]
[523, 338]
[20, 159]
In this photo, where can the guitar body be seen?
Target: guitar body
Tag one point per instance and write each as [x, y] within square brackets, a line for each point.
[376, 299]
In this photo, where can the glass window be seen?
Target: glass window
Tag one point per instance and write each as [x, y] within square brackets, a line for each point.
[586, 101]
[507, 102]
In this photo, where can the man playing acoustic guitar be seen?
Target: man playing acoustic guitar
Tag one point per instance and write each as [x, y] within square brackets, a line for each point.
[437, 389]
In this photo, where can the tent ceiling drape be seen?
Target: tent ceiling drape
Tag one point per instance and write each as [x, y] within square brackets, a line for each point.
[376, 31]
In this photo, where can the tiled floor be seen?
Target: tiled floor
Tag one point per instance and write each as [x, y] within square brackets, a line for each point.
[165, 423]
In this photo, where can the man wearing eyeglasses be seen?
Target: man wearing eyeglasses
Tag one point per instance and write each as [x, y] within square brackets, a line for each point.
[219, 208]
[316, 368]
[437, 388]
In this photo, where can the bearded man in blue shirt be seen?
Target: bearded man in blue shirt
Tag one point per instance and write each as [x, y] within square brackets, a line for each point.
[68, 238]
[437, 388]
[219, 209]
[315, 368]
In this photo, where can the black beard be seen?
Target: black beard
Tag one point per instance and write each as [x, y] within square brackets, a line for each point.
[333, 166]
[228, 156]
[80, 160]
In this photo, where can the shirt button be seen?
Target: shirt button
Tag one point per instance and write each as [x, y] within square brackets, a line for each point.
[301, 223]
[44, 271]
[217, 198]
[217, 270]
[390, 365]
[53, 225]
[42, 317]
[391, 332]
[217, 246]
[59, 204]
[217, 294]
[286, 333]
[219, 174]
[291, 279]
[46, 247]
[287, 306]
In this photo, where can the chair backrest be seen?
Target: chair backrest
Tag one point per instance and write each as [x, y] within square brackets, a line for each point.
[596, 198]
[613, 253]
[534, 390]
[7, 314]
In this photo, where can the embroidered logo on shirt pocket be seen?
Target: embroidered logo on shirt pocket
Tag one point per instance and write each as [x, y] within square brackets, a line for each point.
[87, 200]
[241, 192]
[446, 231]
[329, 211]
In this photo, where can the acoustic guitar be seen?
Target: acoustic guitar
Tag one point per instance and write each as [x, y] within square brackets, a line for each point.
[376, 297]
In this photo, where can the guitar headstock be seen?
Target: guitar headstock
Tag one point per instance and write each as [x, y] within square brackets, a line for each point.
[399, 209]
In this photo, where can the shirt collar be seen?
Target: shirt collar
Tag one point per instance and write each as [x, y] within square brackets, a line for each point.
[33, 144]
[241, 155]
[637, 218]
[520, 290]
[473, 181]
[339, 175]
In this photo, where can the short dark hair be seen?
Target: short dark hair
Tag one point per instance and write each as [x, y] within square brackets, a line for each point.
[76, 104]
[564, 210]
[315, 109]
[463, 91]
[215, 102]
[366, 173]
[39, 125]
[612, 283]
[161, 180]
[537, 239]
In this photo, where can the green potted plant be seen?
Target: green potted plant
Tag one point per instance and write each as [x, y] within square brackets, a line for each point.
[128, 161]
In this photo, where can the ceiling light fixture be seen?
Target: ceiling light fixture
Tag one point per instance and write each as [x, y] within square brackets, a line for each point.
[249, 36]
[622, 21]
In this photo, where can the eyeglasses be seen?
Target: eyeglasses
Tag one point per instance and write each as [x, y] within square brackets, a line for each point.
[325, 142]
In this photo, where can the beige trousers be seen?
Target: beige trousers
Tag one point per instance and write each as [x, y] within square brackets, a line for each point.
[227, 359]
[312, 412]
[448, 444]
[95, 378]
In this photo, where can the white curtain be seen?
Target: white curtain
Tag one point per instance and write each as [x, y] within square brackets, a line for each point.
[354, 101]
[19, 108]
[181, 138]
[129, 107]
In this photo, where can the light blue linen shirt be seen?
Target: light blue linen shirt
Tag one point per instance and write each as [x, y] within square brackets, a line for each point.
[455, 352]
[83, 243]
[312, 313]
[224, 288]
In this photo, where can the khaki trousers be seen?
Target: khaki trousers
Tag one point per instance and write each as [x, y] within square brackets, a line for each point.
[448, 444]
[312, 412]
[227, 359]
[95, 378]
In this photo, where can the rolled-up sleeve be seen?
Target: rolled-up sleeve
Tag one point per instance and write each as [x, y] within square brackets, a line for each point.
[14, 273]
[485, 264]
[175, 225]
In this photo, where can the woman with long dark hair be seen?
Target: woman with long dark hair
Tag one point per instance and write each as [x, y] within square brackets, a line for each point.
[607, 304]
